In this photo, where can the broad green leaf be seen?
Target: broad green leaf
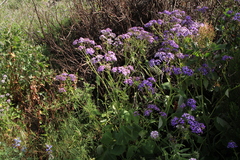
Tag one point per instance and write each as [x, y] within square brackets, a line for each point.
[107, 138]
[130, 152]
[118, 150]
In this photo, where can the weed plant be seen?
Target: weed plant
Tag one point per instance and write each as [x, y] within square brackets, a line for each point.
[162, 89]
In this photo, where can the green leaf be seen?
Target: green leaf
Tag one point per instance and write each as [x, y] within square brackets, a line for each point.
[227, 93]
[118, 150]
[166, 85]
[205, 83]
[160, 123]
[107, 138]
[100, 149]
[130, 152]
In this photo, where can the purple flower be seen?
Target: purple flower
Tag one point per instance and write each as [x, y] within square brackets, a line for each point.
[164, 56]
[183, 105]
[81, 47]
[163, 114]
[229, 12]
[136, 113]
[154, 62]
[191, 103]
[124, 70]
[147, 112]
[61, 90]
[110, 56]
[101, 68]
[159, 21]
[175, 19]
[98, 47]
[176, 121]
[8, 101]
[176, 70]
[154, 107]
[128, 81]
[61, 77]
[75, 42]
[151, 79]
[114, 69]
[226, 57]
[150, 23]
[204, 69]
[188, 117]
[232, 144]
[97, 59]
[72, 77]
[106, 31]
[203, 9]
[187, 71]
[196, 127]
[237, 17]
[90, 51]
[154, 134]
[165, 12]
[124, 36]
[181, 55]
[145, 83]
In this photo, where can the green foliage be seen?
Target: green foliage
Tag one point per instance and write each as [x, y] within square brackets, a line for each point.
[128, 108]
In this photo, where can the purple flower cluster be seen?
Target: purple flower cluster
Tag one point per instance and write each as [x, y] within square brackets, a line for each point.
[152, 22]
[62, 90]
[130, 80]
[177, 121]
[148, 83]
[154, 134]
[236, 17]
[153, 108]
[182, 31]
[226, 57]
[184, 70]
[64, 76]
[108, 57]
[109, 37]
[182, 26]
[83, 40]
[103, 68]
[141, 34]
[125, 70]
[195, 126]
[202, 9]
[232, 144]
[187, 71]
[190, 103]
[86, 45]
[177, 26]
[204, 69]
[164, 57]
